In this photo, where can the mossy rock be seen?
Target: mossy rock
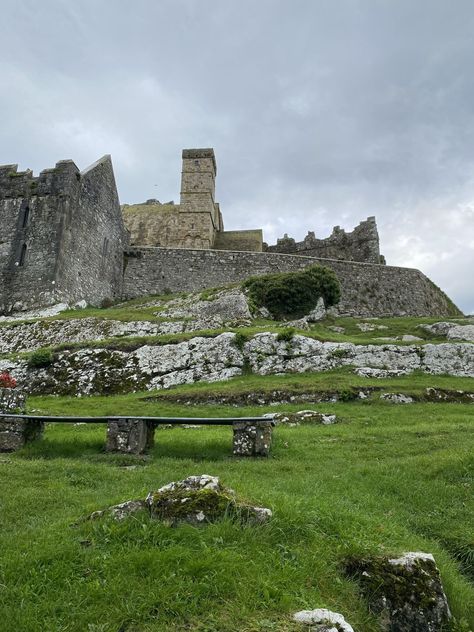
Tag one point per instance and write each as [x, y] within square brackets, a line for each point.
[201, 500]
[406, 593]
[197, 500]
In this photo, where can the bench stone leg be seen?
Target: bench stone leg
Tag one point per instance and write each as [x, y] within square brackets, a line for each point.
[16, 432]
[252, 439]
[132, 436]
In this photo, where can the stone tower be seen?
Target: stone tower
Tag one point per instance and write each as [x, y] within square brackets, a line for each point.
[200, 218]
[61, 236]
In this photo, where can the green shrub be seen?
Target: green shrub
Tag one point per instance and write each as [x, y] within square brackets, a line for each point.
[294, 294]
[340, 353]
[286, 335]
[240, 339]
[40, 358]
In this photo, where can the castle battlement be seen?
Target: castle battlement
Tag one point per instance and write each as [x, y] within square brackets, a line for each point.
[361, 244]
[61, 235]
[63, 239]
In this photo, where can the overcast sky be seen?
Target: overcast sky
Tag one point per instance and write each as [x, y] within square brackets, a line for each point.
[321, 112]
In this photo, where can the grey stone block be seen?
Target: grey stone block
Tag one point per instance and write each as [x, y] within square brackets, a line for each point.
[15, 432]
[132, 436]
[252, 439]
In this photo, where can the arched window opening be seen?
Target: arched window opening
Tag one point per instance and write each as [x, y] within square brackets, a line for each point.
[23, 255]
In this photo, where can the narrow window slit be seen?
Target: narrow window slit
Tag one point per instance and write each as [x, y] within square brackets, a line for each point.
[26, 216]
[23, 255]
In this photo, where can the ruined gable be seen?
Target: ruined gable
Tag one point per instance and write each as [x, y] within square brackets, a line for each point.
[62, 236]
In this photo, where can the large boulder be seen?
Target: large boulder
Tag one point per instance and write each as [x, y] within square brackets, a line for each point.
[197, 500]
[227, 306]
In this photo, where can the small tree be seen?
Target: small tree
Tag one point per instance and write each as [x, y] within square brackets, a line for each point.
[294, 294]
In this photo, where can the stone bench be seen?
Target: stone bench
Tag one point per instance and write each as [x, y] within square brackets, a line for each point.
[252, 436]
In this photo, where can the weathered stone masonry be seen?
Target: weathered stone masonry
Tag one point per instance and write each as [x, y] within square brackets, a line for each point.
[62, 239]
[61, 236]
[367, 289]
[362, 244]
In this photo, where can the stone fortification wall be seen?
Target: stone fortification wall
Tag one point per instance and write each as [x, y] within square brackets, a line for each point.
[362, 244]
[367, 289]
[32, 214]
[249, 240]
[90, 263]
[61, 236]
[152, 223]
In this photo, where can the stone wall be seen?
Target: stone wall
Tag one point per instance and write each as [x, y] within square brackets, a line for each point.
[61, 236]
[90, 263]
[362, 244]
[247, 240]
[152, 223]
[367, 289]
[32, 214]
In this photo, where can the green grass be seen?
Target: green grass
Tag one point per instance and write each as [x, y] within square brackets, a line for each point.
[160, 403]
[387, 479]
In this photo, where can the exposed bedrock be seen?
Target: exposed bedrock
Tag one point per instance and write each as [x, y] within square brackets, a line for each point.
[95, 371]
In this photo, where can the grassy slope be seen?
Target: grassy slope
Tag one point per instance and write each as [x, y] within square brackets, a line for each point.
[387, 479]
[145, 309]
[160, 403]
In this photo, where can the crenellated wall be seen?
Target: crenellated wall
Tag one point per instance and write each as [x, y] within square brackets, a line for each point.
[367, 289]
[362, 244]
[62, 239]
[61, 236]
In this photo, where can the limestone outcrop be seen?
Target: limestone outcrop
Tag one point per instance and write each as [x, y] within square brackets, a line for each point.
[452, 331]
[94, 371]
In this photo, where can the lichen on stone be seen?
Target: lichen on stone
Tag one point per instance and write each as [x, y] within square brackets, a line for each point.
[406, 592]
[197, 500]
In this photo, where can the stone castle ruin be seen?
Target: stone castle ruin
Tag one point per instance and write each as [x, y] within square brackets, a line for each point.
[196, 222]
[65, 238]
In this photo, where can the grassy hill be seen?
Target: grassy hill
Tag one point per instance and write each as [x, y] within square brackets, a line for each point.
[385, 479]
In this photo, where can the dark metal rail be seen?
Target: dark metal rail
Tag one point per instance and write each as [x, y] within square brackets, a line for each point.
[198, 421]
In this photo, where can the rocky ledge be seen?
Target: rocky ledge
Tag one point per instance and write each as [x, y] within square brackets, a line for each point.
[97, 371]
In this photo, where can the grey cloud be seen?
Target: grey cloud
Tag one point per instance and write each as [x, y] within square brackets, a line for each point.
[321, 113]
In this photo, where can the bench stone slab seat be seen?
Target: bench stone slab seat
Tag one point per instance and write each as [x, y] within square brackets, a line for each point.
[16, 432]
[135, 435]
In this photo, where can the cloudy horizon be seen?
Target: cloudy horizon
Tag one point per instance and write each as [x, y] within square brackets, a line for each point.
[321, 113]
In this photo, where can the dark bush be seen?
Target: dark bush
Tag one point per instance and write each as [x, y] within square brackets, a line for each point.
[294, 294]
[40, 358]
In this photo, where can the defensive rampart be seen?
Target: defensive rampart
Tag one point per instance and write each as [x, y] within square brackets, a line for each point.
[367, 289]
[362, 244]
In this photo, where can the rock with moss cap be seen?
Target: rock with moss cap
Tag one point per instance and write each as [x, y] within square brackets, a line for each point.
[200, 500]
[196, 500]
[406, 592]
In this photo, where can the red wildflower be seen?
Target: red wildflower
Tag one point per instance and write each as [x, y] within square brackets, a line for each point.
[6, 380]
